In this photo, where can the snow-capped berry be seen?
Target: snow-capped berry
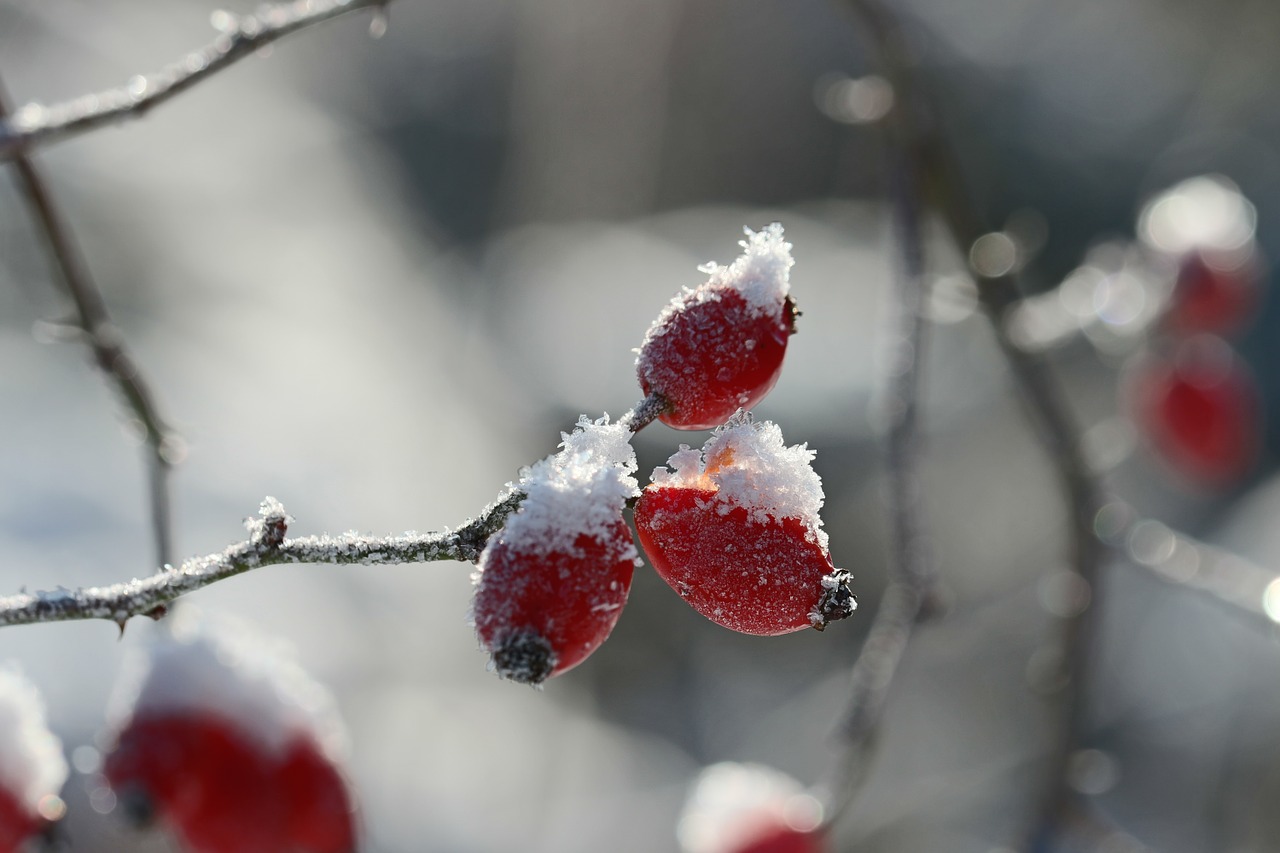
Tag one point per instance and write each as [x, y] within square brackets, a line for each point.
[719, 347]
[1200, 409]
[735, 531]
[32, 768]
[227, 741]
[749, 808]
[551, 584]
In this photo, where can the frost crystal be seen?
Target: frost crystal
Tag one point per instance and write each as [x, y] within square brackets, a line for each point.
[579, 491]
[220, 666]
[31, 761]
[748, 465]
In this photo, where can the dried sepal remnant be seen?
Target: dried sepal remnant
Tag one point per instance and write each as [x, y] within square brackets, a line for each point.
[735, 531]
[551, 584]
[223, 738]
[32, 769]
[719, 347]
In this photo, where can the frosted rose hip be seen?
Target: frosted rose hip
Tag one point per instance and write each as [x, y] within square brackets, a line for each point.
[32, 769]
[749, 808]
[551, 584]
[719, 347]
[226, 741]
[736, 532]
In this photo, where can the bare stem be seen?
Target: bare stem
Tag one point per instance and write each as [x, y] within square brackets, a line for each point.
[34, 124]
[103, 339]
[648, 411]
[890, 632]
[1040, 390]
[266, 546]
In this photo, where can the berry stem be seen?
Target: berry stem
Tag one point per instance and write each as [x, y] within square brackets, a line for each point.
[646, 412]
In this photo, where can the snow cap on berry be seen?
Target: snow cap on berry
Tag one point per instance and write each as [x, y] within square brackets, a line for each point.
[220, 666]
[761, 275]
[730, 804]
[578, 491]
[748, 464]
[31, 763]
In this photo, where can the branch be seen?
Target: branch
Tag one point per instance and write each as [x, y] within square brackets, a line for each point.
[1048, 407]
[891, 630]
[94, 325]
[266, 546]
[34, 124]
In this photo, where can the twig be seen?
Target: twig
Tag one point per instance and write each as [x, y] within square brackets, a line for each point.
[34, 124]
[103, 339]
[890, 632]
[266, 546]
[1040, 390]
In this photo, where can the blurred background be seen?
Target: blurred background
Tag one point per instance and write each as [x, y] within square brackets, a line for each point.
[375, 277]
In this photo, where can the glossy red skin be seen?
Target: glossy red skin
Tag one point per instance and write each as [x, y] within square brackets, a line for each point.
[716, 561]
[221, 794]
[1208, 299]
[570, 600]
[782, 839]
[711, 358]
[17, 824]
[1204, 418]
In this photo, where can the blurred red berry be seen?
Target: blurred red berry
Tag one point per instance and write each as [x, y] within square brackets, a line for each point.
[551, 584]
[1212, 293]
[1201, 411]
[737, 534]
[779, 838]
[719, 347]
[32, 768]
[229, 744]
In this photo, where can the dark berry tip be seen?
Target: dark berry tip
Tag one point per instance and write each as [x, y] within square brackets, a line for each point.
[789, 313]
[526, 658]
[836, 602]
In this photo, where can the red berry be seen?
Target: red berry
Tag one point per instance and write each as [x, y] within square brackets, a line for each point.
[230, 745]
[1214, 292]
[737, 533]
[749, 808]
[32, 769]
[719, 347]
[551, 584]
[780, 838]
[1201, 411]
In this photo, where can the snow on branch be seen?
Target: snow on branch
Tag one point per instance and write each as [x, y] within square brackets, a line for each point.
[266, 546]
[34, 124]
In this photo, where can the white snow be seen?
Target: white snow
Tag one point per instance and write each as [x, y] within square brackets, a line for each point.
[762, 273]
[749, 465]
[729, 802]
[579, 490]
[31, 762]
[220, 665]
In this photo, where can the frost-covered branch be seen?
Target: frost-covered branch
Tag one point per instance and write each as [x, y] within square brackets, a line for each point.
[93, 325]
[34, 124]
[890, 632]
[266, 546]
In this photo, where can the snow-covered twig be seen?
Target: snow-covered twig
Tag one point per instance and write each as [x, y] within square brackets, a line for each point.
[34, 124]
[93, 323]
[266, 546]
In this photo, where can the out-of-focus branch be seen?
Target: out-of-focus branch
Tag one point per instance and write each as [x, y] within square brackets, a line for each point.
[890, 632]
[266, 546]
[35, 124]
[104, 340]
[1040, 390]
